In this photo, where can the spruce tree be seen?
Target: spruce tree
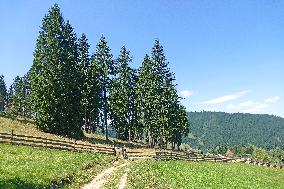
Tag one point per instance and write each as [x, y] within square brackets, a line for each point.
[14, 97]
[18, 98]
[172, 116]
[146, 95]
[159, 108]
[122, 98]
[91, 92]
[3, 94]
[55, 77]
[9, 100]
[103, 63]
[84, 64]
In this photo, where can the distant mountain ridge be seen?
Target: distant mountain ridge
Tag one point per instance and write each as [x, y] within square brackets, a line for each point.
[211, 129]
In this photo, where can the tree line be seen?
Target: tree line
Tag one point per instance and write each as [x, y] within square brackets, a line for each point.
[217, 131]
[68, 87]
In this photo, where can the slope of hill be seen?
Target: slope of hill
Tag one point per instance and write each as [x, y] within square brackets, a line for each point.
[211, 129]
[26, 127]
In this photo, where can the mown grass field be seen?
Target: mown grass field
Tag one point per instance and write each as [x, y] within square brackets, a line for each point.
[28, 167]
[181, 174]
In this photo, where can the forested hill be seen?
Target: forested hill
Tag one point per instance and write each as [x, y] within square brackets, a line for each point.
[211, 129]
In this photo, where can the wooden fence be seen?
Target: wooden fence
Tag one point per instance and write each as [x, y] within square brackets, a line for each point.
[71, 145]
[165, 155]
[80, 146]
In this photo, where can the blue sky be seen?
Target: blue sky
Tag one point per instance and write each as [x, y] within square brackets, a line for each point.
[227, 55]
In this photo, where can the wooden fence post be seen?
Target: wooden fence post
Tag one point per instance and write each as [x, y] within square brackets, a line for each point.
[45, 142]
[114, 150]
[12, 135]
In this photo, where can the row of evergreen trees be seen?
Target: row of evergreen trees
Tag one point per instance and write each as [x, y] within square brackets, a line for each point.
[67, 88]
[16, 100]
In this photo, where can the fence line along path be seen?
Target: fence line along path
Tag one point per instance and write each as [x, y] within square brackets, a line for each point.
[72, 145]
[165, 155]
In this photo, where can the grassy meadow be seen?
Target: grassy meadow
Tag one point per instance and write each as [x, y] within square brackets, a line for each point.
[28, 167]
[181, 174]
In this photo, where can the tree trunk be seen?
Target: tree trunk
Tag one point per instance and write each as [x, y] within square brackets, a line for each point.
[105, 113]
[149, 138]
[129, 135]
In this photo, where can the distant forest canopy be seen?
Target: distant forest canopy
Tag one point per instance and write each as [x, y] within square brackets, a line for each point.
[68, 87]
[213, 130]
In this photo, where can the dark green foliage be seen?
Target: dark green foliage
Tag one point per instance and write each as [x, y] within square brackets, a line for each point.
[69, 89]
[217, 129]
[103, 65]
[123, 110]
[275, 155]
[160, 112]
[19, 101]
[90, 87]
[144, 90]
[3, 94]
[55, 77]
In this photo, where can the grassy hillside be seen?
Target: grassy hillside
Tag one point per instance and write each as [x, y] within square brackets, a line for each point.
[28, 167]
[212, 129]
[180, 174]
[26, 127]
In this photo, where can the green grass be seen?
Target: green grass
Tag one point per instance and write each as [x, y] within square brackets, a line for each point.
[181, 174]
[28, 167]
[27, 127]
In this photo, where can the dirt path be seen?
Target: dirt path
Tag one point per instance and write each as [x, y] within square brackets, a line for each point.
[123, 180]
[100, 179]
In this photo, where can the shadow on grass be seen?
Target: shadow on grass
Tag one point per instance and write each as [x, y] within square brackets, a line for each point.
[17, 183]
[114, 142]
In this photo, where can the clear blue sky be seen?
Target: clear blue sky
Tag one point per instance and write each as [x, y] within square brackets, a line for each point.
[227, 55]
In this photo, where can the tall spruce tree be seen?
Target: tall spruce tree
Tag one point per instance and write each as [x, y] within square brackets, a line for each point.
[84, 64]
[163, 84]
[18, 97]
[3, 94]
[91, 91]
[159, 108]
[55, 77]
[102, 62]
[122, 98]
[146, 94]
[172, 116]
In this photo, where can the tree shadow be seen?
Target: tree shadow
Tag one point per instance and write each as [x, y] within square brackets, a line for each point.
[24, 121]
[114, 142]
[17, 183]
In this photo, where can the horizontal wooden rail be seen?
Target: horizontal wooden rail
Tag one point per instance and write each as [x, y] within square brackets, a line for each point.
[164, 155]
[73, 145]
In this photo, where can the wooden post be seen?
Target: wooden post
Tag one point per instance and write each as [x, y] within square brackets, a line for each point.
[12, 135]
[114, 150]
[45, 142]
